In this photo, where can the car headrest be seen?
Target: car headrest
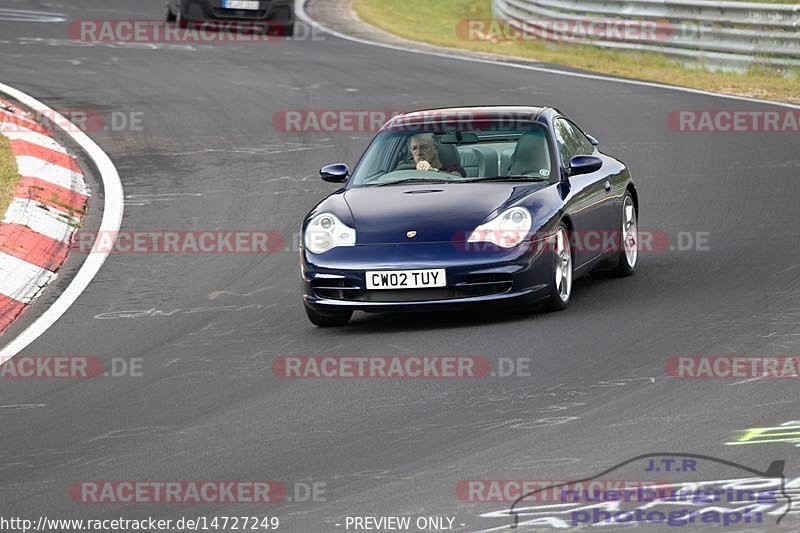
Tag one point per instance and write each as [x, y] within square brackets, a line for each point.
[448, 155]
[459, 137]
[531, 155]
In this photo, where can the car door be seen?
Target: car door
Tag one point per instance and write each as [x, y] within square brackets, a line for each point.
[589, 202]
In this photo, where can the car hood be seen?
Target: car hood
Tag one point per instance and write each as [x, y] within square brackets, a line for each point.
[436, 212]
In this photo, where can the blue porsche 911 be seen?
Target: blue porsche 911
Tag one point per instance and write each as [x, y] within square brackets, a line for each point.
[453, 207]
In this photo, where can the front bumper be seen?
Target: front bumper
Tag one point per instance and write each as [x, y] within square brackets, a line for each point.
[279, 11]
[336, 279]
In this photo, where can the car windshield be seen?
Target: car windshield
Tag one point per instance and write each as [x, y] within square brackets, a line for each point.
[487, 151]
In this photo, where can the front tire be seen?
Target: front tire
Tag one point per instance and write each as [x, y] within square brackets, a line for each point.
[561, 280]
[328, 319]
[177, 17]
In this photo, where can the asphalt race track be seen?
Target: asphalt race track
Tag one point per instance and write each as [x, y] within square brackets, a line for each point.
[208, 327]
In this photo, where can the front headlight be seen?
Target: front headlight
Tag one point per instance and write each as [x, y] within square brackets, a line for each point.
[325, 231]
[506, 230]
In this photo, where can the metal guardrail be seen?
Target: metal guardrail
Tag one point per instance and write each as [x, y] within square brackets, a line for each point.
[733, 35]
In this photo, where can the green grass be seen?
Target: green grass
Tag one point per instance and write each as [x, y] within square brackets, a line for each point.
[8, 175]
[435, 22]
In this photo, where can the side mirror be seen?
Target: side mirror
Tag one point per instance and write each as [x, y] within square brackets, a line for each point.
[592, 140]
[337, 173]
[584, 164]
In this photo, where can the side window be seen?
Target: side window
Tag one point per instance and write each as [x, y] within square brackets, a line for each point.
[571, 141]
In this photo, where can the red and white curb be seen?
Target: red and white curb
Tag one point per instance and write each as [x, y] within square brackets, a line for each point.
[48, 206]
[50, 200]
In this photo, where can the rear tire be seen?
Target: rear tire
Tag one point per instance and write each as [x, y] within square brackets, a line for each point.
[328, 319]
[629, 239]
[561, 280]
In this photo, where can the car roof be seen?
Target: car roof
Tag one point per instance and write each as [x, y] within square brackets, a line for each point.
[426, 116]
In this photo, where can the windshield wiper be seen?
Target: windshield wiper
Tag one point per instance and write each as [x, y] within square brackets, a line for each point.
[510, 177]
[414, 180]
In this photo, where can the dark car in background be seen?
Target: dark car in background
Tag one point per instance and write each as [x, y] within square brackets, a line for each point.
[277, 14]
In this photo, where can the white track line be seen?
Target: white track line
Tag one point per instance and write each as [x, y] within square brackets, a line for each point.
[112, 219]
[305, 17]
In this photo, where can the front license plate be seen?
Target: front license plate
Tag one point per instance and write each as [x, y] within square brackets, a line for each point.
[406, 279]
[241, 4]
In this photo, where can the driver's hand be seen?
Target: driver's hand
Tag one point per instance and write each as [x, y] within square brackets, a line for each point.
[424, 165]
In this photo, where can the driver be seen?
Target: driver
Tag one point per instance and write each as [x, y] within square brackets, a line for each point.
[425, 149]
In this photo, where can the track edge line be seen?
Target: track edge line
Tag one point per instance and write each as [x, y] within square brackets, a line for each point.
[113, 210]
